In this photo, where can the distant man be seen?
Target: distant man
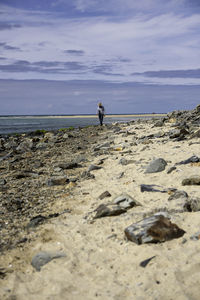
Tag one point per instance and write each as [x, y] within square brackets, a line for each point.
[101, 112]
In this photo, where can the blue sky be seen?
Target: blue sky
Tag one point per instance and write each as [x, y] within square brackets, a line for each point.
[63, 56]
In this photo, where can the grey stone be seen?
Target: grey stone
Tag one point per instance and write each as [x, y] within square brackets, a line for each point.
[124, 162]
[69, 165]
[156, 228]
[193, 180]
[193, 204]
[152, 188]
[126, 201]
[2, 181]
[120, 175]
[57, 180]
[93, 167]
[41, 146]
[87, 175]
[196, 236]
[108, 210]
[170, 170]
[145, 262]
[25, 146]
[42, 258]
[157, 165]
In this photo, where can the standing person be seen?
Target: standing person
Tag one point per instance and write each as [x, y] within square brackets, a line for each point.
[101, 112]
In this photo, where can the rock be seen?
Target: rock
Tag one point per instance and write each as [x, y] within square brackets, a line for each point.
[108, 210]
[196, 236]
[193, 180]
[120, 175]
[2, 181]
[152, 188]
[124, 162]
[153, 229]
[25, 146]
[93, 167]
[196, 134]
[87, 175]
[42, 258]
[69, 165]
[57, 180]
[193, 204]
[37, 220]
[104, 195]
[145, 262]
[177, 195]
[126, 201]
[159, 123]
[157, 165]
[102, 146]
[170, 170]
[192, 159]
[41, 146]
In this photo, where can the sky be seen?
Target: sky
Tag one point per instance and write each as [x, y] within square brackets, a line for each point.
[64, 56]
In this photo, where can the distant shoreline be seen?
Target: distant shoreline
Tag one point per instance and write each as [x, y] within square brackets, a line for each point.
[84, 116]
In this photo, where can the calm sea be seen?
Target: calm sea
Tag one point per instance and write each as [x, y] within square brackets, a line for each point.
[22, 124]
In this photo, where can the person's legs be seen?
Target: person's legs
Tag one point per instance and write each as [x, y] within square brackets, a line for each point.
[101, 119]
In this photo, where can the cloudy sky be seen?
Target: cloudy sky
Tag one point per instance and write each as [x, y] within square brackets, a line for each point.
[63, 56]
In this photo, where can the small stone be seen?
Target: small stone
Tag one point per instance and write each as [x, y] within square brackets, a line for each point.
[193, 180]
[152, 188]
[108, 210]
[177, 195]
[87, 175]
[126, 201]
[59, 180]
[37, 220]
[2, 181]
[170, 170]
[191, 159]
[93, 167]
[156, 165]
[145, 262]
[42, 258]
[193, 205]
[104, 195]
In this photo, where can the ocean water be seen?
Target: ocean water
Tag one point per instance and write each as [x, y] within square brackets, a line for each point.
[23, 124]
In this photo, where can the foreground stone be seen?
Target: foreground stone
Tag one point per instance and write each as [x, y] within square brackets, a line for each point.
[42, 258]
[157, 165]
[153, 229]
[126, 201]
[108, 210]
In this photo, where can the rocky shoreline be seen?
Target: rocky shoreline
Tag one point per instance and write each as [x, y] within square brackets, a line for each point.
[84, 195]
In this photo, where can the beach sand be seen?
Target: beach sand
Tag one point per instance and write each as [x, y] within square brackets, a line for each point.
[100, 263]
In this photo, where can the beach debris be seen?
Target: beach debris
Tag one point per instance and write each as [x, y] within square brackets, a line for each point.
[193, 180]
[145, 262]
[157, 165]
[191, 159]
[126, 201]
[42, 258]
[156, 228]
[104, 195]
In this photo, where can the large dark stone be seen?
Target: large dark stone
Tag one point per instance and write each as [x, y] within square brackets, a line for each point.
[191, 159]
[153, 229]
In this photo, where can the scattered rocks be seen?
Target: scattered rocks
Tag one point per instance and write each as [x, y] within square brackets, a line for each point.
[42, 258]
[157, 165]
[153, 229]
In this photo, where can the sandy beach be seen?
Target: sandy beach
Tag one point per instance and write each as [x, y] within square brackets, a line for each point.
[90, 256]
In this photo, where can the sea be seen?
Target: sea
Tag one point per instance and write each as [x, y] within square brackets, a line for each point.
[25, 124]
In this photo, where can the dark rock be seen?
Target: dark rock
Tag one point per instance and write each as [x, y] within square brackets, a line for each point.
[152, 188]
[104, 195]
[69, 165]
[108, 210]
[2, 181]
[153, 229]
[193, 180]
[37, 220]
[156, 165]
[59, 180]
[192, 159]
[193, 204]
[170, 170]
[177, 195]
[120, 175]
[42, 258]
[126, 201]
[145, 262]
[93, 167]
